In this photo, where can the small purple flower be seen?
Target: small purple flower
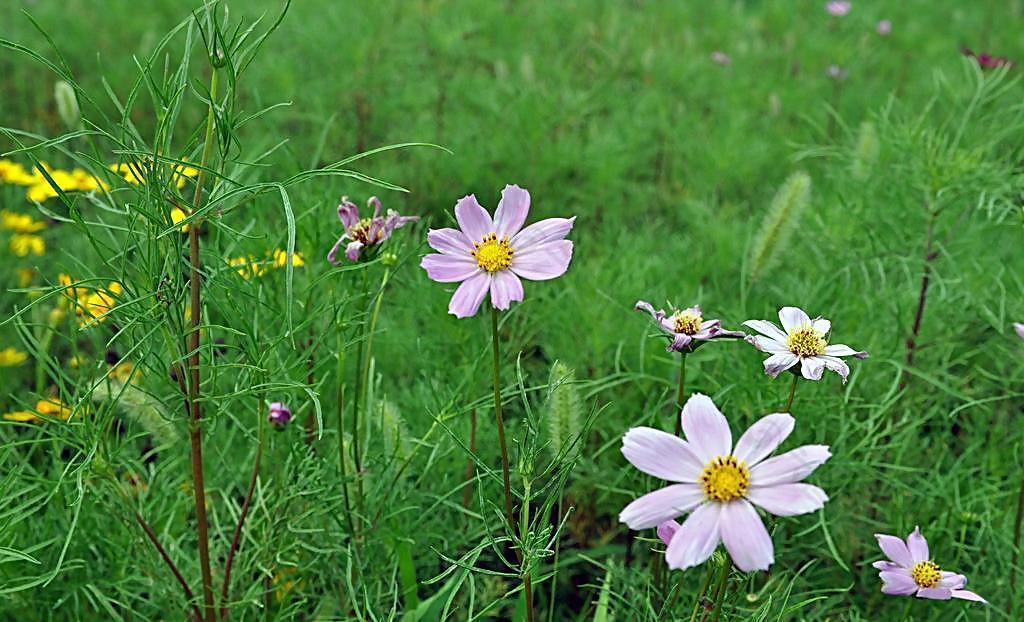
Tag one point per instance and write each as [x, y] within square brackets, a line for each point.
[279, 415]
[686, 327]
[721, 58]
[719, 484]
[988, 61]
[910, 571]
[361, 233]
[801, 341]
[491, 255]
[1019, 328]
[884, 27]
[838, 8]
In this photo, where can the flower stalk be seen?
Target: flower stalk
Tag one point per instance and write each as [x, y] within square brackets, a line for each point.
[792, 394]
[681, 396]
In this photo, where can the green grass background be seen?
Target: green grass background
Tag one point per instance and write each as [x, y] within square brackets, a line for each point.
[614, 112]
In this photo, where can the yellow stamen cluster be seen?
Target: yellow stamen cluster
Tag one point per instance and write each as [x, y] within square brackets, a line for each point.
[687, 321]
[725, 479]
[493, 254]
[805, 341]
[361, 232]
[926, 574]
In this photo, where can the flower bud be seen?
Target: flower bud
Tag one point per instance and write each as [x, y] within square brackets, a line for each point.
[67, 104]
[279, 415]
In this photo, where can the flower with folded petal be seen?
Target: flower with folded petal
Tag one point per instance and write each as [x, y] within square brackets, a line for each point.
[365, 233]
[687, 328]
[801, 340]
[910, 570]
[486, 255]
[719, 485]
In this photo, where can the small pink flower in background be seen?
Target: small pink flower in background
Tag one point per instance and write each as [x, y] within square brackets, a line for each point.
[909, 570]
[365, 233]
[279, 415]
[884, 27]
[986, 60]
[719, 484]
[721, 58]
[490, 256]
[838, 9]
[687, 327]
[837, 73]
[1019, 328]
[801, 340]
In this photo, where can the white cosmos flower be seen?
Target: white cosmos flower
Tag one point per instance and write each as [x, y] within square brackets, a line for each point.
[801, 341]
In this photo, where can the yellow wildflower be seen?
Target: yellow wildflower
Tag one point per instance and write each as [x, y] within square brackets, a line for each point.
[249, 266]
[86, 181]
[283, 583]
[23, 244]
[40, 189]
[9, 357]
[178, 215]
[13, 173]
[122, 371]
[20, 223]
[25, 276]
[21, 416]
[47, 407]
[91, 306]
[77, 361]
[281, 259]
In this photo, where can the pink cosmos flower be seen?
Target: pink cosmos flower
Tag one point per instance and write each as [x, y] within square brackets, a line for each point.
[361, 233]
[279, 415]
[884, 27]
[492, 255]
[801, 340]
[838, 9]
[719, 485]
[686, 327]
[909, 571]
[986, 60]
[1019, 328]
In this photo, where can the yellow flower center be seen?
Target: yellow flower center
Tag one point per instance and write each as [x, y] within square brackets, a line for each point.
[493, 254]
[805, 341]
[687, 322]
[725, 479]
[361, 232]
[926, 574]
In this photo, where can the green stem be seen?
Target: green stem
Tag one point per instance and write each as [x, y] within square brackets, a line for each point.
[720, 589]
[357, 402]
[681, 395]
[195, 407]
[524, 528]
[1016, 540]
[906, 611]
[499, 419]
[792, 394]
[703, 591]
[340, 399]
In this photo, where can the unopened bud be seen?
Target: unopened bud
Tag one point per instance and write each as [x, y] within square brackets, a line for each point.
[67, 104]
[279, 415]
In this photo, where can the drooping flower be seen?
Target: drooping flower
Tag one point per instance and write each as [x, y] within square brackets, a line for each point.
[884, 27]
[719, 484]
[279, 415]
[486, 255]
[986, 60]
[365, 233]
[687, 328]
[910, 570]
[1019, 328]
[801, 340]
[10, 357]
[838, 8]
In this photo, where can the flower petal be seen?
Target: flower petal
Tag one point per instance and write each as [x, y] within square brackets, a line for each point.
[696, 539]
[646, 306]
[841, 349]
[449, 241]
[811, 367]
[679, 342]
[897, 583]
[790, 467]
[917, 546]
[332, 255]
[512, 210]
[663, 455]
[348, 213]
[788, 499]
[935, 593]
[967, 594]
[666, 530]
[473, 219]
[467, 298]
[745, 537]
[778, 363]
[448, 268]
[886, 565]
[952, 580]
[837, 365]
[895, 548]
[506, 288]
[767, 329]
[793, 318]
[821, 325]
[353, 249]
[763, 437]
[543, 261]
[547, 230]
[706, 428]
[764, 344]
[661, 505]
[1019, 328]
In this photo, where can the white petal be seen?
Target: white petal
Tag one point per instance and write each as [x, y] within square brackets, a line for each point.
[763, 437]
[745, 537]
[788, 499]
[663, 455]
[706, 428]
[790, 467]
[821, 325]
[793, 318]
[811, 367]
[661, 505]
[767, 329]
[696, 539]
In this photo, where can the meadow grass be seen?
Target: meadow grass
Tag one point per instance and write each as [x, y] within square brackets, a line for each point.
[613, 112]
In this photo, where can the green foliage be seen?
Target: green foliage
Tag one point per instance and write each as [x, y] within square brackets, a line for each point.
[772, 238]
[563, 411]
